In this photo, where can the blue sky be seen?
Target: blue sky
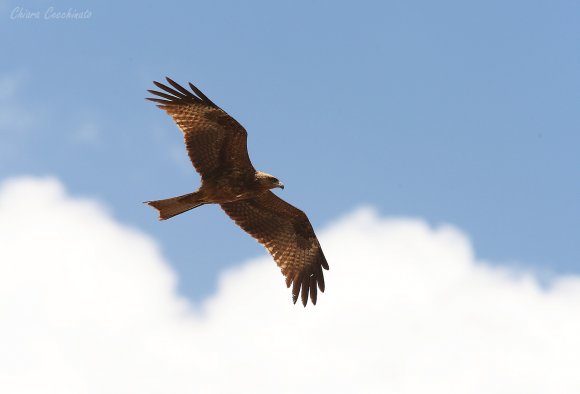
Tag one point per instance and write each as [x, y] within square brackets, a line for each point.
[450, 111]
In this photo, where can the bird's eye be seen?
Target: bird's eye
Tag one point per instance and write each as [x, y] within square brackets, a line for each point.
[275, 180]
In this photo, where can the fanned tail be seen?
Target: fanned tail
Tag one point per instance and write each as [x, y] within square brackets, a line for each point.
[171, 207]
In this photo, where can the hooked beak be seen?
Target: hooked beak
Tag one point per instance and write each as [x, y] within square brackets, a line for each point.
[280, 185]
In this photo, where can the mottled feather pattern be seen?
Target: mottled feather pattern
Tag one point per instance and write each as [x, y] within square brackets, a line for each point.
[273, 222]
[217, 146]
[214, 140]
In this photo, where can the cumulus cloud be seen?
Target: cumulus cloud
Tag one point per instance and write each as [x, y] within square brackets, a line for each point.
[88, 305]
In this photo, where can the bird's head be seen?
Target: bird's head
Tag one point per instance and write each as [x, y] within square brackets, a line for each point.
[268, 181]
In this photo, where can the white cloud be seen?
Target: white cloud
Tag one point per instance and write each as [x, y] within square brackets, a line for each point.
[88, 305]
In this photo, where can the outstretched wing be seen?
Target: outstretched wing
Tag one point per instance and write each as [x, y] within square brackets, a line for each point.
[288, 235]
[215, 141]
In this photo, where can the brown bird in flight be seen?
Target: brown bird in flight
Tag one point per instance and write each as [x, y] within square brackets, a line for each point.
[216, 144]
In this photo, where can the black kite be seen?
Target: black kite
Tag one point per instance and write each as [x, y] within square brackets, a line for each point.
[216, 144]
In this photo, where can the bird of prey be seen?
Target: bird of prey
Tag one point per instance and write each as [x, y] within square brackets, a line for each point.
[216, 145]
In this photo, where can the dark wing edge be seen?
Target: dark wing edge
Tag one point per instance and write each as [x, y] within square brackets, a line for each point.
[178, 95]
[273, 222]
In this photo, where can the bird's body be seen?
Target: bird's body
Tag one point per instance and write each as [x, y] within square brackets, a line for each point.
[226, 187]
[236, 185]
[216, 144]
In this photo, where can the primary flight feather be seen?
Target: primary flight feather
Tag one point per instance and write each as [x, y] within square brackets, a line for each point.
[216, 145]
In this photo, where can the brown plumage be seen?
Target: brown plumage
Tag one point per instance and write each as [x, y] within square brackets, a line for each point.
[216, 144]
